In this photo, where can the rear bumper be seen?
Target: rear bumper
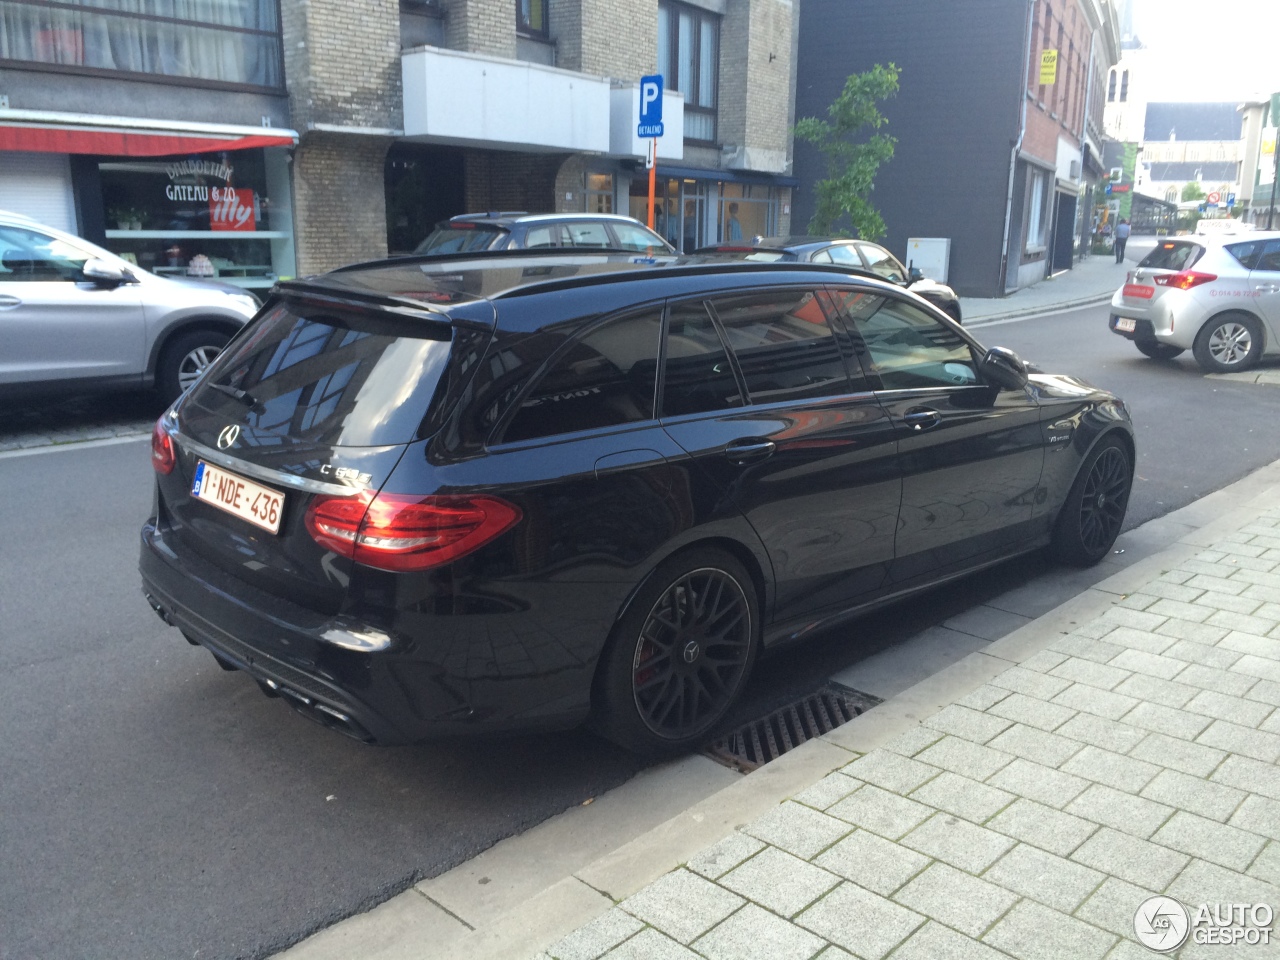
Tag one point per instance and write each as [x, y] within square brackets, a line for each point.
[408, 693]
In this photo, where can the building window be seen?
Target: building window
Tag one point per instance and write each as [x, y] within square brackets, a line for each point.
[689, 61]
[1171, 194]
[1037, 212]
[531, 18]
[599, 193]
[1124, 86]
[1111, 88]
[216, 41]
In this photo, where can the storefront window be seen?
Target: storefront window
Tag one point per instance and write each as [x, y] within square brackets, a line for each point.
[600, 193]
[694, 213]
[224, 215]
[746, 211]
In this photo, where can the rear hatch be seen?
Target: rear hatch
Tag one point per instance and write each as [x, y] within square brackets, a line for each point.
[462, 237]
[1167, 267]
[311, 401]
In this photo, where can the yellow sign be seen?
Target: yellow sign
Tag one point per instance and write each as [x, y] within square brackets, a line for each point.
[1048, 66]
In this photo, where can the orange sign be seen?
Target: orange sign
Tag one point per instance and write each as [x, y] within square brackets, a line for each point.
[231, 208]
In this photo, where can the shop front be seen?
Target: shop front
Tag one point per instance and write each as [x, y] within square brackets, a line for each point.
[694, 208]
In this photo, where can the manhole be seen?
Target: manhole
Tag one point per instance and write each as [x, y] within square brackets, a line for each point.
[755, 743]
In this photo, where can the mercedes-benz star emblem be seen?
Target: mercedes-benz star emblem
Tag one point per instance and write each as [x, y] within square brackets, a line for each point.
[228, 436]
[691, 651]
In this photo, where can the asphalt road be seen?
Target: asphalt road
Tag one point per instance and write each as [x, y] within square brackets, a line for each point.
[152, 805]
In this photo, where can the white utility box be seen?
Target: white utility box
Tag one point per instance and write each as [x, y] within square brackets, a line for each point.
[930, 255]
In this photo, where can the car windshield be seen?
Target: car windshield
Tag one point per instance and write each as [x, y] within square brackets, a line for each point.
[1172, 255]
[460, 238]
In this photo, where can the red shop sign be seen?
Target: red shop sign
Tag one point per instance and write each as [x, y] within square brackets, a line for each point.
[231, 208]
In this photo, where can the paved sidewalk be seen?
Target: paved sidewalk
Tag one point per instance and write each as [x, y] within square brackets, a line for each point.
[1022, 803]
[1093, 280]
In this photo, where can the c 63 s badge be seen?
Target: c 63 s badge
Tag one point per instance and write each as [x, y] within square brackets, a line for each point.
[348, 474]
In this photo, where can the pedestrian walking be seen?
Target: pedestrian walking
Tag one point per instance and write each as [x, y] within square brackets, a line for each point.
[1122, 235]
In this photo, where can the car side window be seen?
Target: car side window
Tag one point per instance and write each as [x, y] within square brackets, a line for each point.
[909, 349]
[632, 237]
[882, 263]
[822, 256]
[784, 344]
[30, 257]
[584, 233]
[845, 255]
[605, 378]
[1269, 258]
[699, 376]
[1246, 253]
[543, 236]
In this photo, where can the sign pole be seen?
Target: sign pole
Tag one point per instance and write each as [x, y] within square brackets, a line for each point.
[653, 176]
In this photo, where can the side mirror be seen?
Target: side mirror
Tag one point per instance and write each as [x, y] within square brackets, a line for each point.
[914, 274]
[1004, 368]
[103, 273]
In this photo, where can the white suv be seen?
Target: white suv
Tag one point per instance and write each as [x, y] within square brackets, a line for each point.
[1218, 296]
[76, 317]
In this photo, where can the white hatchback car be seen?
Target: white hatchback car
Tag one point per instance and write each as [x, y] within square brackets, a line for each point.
[75, 317]
[1218, 296]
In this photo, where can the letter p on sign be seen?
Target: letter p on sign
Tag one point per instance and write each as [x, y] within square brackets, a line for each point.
[650, 124]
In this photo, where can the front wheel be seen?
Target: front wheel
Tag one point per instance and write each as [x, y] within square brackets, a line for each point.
[679, 657]
[184, 359]
[1094, 510]
[1229, 343]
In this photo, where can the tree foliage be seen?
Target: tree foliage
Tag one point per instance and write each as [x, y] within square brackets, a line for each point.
[1192, 191]
[852, 162]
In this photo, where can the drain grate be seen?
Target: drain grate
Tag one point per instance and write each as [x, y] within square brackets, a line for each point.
[755, 743]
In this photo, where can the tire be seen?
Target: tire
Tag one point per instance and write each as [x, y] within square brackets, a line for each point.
[1093, 512]
[663, 683]
[1229, 342]
[1157, 350]
[184, 358]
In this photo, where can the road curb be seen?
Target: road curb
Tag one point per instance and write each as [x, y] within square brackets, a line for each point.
[1042, 310]
[567, 902]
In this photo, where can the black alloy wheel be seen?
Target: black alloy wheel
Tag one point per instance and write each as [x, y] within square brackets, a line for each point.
[1094, 510]
[680, 656]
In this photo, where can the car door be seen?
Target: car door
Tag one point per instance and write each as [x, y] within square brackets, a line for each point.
[971, 454]
[54, 325]
[799, 445]
[1264, 284]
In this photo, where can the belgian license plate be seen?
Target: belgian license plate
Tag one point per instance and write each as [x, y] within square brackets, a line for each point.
[1126, 324]
[231, 492]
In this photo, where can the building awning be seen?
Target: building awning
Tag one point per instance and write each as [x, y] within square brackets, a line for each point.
[40, 131]
[729, 176]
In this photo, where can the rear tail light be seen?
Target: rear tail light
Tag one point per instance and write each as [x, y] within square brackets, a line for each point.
[398, 533]
[1184, 280]
[162, 454]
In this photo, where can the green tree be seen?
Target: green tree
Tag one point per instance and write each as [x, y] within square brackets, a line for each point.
[851, 162]
[1192, 191]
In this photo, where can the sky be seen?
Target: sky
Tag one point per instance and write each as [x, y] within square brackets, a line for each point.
[1210, 49]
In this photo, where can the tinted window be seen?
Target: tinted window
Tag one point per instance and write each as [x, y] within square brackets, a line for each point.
[603, 379]
[1246, 253]
[587, 234]
[543, 236]
[784, 345]
[351, 380]
[908, 348]
[460, 238]
[634, 237]
[1269, 258]
[883, 263]
[1172, 255]
[28, 257]
[698, 376]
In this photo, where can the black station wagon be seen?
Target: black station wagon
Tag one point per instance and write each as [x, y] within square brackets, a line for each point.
[421, 497]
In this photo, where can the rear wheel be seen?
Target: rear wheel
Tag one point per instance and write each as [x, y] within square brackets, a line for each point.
[1230, 342]
[1094, 510]
[1157, 350]
[183, 360]
[679, 657]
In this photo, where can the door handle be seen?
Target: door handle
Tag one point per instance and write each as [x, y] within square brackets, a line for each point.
[8, 303]
[1268, 287]
[921, 418]
[750, 450]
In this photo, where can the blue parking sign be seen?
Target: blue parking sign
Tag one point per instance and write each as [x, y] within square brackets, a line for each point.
[650, 124]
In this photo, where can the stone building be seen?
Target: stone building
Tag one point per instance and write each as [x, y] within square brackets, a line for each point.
[348, 129]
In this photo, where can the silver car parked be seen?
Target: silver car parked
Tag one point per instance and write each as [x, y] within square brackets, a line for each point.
[1218, 296]
[75, 317]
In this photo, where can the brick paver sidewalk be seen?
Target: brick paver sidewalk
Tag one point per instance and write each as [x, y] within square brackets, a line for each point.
[1136, 755]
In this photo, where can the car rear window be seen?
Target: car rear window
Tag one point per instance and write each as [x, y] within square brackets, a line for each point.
[460, 238]
[340, 380]
[1172, 255]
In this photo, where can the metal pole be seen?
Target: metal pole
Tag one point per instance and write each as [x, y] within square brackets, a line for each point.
[653, 176]
[1275, 153]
